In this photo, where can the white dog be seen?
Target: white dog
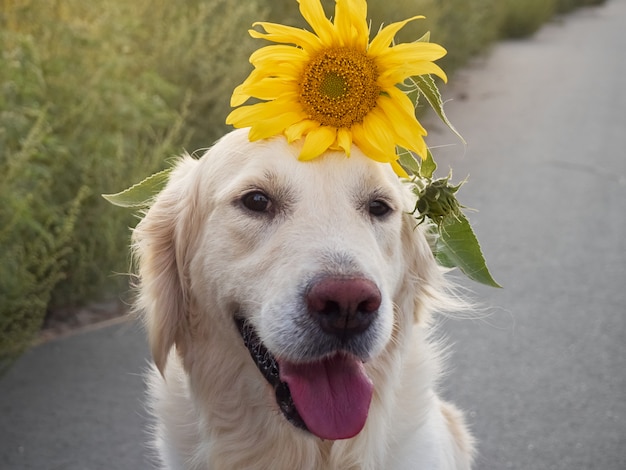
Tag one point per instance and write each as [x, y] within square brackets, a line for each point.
[287, 306]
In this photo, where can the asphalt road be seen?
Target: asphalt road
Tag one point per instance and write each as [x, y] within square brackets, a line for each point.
[77, 404]
[542, 372]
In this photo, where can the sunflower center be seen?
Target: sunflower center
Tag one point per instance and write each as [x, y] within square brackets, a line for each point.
[333, 86]
[338, 87]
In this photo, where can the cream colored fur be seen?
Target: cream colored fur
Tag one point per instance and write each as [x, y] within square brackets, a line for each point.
[203, 258]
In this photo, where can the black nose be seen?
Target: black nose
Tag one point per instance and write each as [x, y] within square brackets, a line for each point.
[343, 307]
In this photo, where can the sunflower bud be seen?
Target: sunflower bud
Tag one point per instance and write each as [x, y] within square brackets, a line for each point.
[437, 200]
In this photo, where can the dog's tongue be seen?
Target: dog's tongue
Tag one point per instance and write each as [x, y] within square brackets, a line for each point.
[332, 396]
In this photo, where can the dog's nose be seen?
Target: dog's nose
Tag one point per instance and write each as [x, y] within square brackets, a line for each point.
[343, 307]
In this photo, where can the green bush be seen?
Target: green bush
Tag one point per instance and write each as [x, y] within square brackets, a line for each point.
[563, 6]
[96, 95]
[34, 234]
[522, 19]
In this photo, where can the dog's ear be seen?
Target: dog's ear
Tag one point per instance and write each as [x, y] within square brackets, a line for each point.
[425, 285]
[161, 242]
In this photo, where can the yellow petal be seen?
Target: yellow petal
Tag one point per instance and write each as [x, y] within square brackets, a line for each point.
[415, 144]
[246, 116]
[239, 96]
[297, 130]
[351, 23]
[399, 110]
[286, 35]
[269, 88]
[385, 36]
[398, 169]
[406, 129]
[420, 148]
[344, 140]
[317, 142]
[407, 60]
[277, 54]
[257, 79]
[245, 91]
[285, 70]
[410, 52]
[369, 147]
[405, 137]
[313, 13]
[402, 100]
[399, 74]
[380, 131]
[266, 128]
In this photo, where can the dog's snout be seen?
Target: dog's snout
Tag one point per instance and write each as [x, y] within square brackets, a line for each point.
[343, 307]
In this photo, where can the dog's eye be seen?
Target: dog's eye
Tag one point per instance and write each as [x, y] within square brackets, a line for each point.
[256, 201]
[379, 208]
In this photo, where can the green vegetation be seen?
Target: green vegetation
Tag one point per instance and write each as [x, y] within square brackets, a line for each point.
[523, 18]
[96, 95]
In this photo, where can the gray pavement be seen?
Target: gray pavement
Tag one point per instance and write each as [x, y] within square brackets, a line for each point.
[77, 404]
[542, 375]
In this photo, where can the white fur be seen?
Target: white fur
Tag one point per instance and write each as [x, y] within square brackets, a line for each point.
[203, 258]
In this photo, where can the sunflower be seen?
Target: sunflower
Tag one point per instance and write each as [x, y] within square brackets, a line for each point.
[334, 87]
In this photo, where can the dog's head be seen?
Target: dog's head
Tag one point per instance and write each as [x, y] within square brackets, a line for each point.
[316, 267]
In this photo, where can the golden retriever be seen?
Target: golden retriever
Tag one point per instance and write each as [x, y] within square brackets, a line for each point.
[287, 306]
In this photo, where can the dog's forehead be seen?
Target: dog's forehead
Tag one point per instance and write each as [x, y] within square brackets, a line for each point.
[236, 160]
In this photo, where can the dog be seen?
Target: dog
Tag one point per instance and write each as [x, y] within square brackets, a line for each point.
[288, 307]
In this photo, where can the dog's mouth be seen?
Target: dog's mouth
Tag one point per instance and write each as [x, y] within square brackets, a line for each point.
[268, 366]
[329, 398]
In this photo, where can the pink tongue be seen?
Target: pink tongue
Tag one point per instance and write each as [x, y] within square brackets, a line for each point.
[332, 396]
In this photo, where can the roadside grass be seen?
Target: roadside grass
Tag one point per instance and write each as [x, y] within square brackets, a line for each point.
[95, 96]
[522, 19]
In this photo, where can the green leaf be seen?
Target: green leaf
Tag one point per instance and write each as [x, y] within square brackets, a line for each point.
[428, 166]
[409, 161]
[142, 193]
[457, 246]
[415, 165]
[428, 88]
